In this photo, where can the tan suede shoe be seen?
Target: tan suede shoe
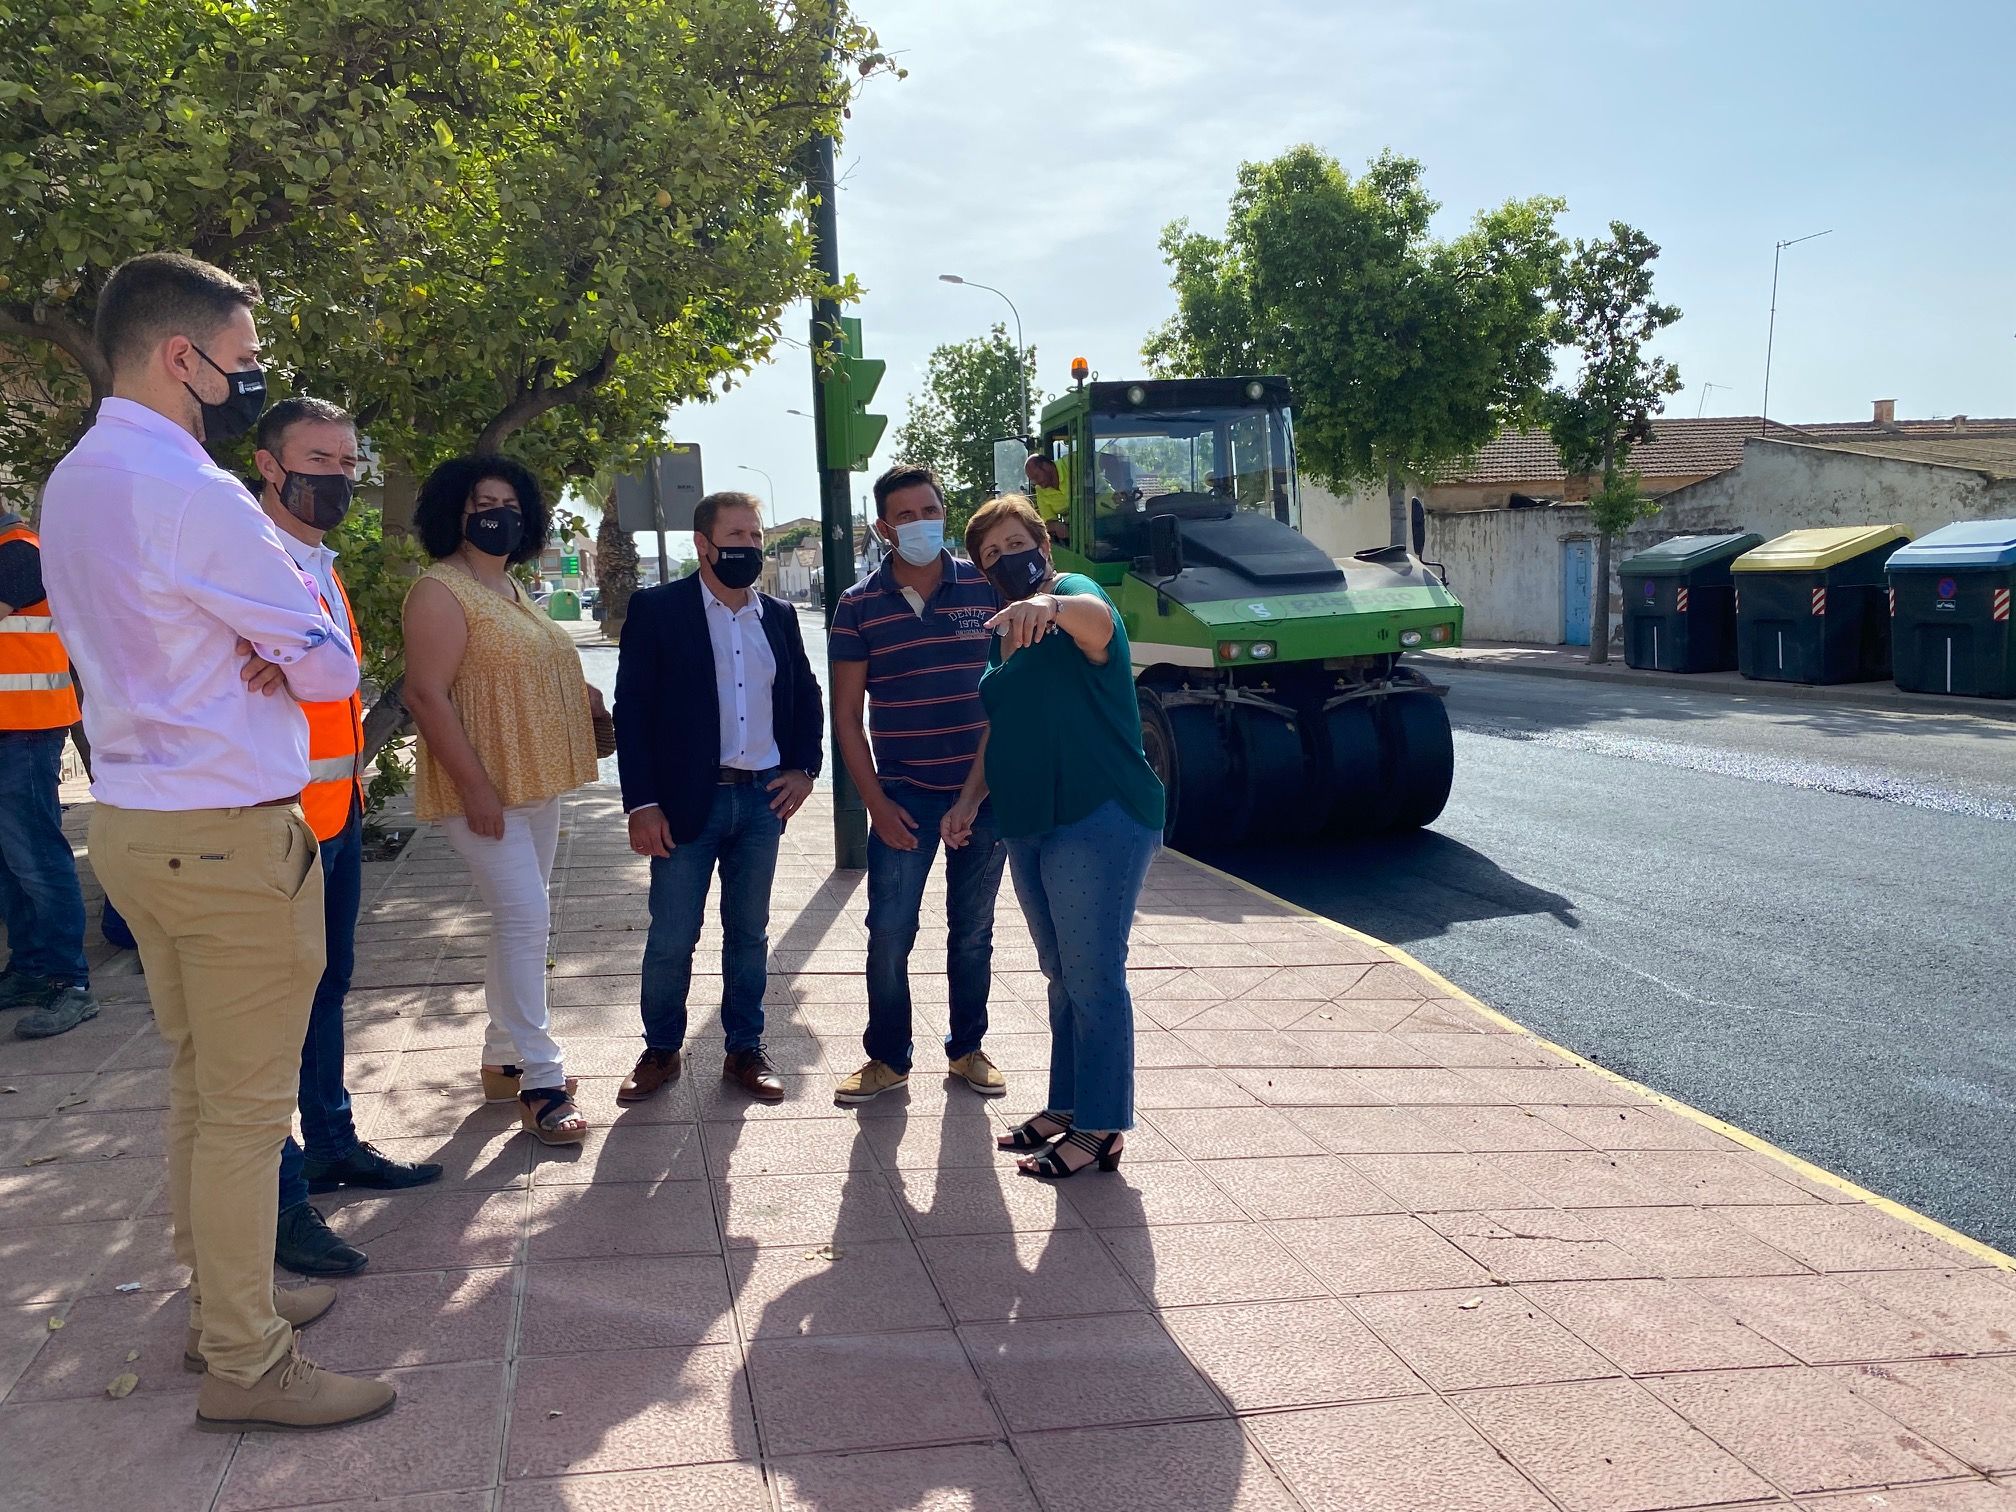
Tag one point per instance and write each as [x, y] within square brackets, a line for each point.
[299, 1305]
[294, 1395]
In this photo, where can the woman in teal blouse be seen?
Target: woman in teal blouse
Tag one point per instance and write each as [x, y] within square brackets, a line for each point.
[1082, 813]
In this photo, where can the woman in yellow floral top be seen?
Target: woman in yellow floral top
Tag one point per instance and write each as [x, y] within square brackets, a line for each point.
[504, 714]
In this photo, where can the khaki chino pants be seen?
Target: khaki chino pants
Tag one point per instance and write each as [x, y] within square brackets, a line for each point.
[226, 906]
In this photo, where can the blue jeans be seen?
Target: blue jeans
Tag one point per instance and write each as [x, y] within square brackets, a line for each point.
[326, 1126]
[1079, 884]
[741, 834]
[896, 882]
[39, 897]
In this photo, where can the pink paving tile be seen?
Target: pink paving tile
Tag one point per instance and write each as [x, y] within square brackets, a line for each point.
[628, 1410]
[1123, 1369]
[990, 1201]
[925, 1392]
[1972, 1308]
[994, 1277]
[650, 1152]
[1635, 1129]
[1486, 1131]
[23, 1332]
[1267, 1049]
[1385, 1253]
[928, 1144]
[1371, 1015]
[955, 1477]
[417, 1231]
[1445, 1183]
[1565, 1086]
[98, 1333]
[786, 1147]
[414, 1318]
[691, 1488]
[1654, 1326]
[1347, 1049]
[1457, 1049]
[1289, 1354]
[840, 1289]
[1823, 1321]
[1210, 1262]
[654, 1218]
[1228, 1133]
[808, 1210]
[678, 1103]
[1294, 1186]
[1803, 1428]
[1710, 1177]
[442, 1111]
[88, 1047]
[1608, 1446]
[1377, 1085]
[46, 1194]
[142, 1251]
[1946, 1496]
[1208, 1465]
[1577, 1178]
[1490, 1336]
[1537, 1244]
[1159, 1192]
[434, 1501]
[472, 1160]
[32, 1098]
[1388, 983]
[1189, 1087]
[1833, 1237]
[1966, 1407]
[1370, 1130]
[1400, 1456]
[1673, 1241]
[440, 1436]
[85, 1456]
[634, 1302]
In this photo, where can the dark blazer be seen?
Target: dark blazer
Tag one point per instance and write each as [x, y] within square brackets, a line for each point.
[668, 711]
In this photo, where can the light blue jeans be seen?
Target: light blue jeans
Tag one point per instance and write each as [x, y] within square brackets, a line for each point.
[1079, 884]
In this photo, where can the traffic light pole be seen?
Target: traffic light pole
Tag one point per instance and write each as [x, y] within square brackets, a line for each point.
[836, 508]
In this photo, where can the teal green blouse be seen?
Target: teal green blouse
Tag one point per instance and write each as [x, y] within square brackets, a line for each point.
[1064, 736]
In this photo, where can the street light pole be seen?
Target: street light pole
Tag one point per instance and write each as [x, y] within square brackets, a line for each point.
[771, 496]
[1771, 332]
[1021, 362]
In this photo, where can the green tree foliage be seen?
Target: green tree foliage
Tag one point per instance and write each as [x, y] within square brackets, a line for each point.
[1407, 353]
[1606, 315]
[971, 398]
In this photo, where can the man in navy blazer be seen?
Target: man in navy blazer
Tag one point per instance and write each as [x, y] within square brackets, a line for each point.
[718, 739]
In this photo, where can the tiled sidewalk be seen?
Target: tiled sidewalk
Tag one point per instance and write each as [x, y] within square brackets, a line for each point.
[1366, 1251]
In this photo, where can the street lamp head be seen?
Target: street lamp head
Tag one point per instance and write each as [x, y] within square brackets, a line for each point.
[950, 278]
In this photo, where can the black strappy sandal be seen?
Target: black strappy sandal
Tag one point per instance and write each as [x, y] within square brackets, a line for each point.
[545, 1110]
[1050, 1166]
[1026, 1136]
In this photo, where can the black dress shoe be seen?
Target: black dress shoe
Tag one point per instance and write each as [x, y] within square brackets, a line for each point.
[306, 1245]
[367, 1166]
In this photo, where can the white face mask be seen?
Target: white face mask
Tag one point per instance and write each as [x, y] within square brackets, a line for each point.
[919, 542]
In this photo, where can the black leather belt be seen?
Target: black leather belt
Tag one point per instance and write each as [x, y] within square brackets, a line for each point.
[736, 777]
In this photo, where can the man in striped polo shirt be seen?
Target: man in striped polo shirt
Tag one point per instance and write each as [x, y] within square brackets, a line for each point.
[908, 646]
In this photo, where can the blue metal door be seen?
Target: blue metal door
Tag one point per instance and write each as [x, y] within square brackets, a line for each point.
[1578, 565]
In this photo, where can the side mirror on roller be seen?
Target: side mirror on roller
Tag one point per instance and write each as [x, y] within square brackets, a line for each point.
[1165, 546]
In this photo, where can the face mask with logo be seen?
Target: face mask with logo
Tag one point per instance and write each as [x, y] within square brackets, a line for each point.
[737, 566]
[920, 542]
[1017, 574]
[317, 500]
[244, 399]
[494, 532]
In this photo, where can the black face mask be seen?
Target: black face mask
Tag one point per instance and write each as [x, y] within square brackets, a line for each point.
[317, 500]
[495, 532]
[737, 566]
[1016, 574]
[244, 398]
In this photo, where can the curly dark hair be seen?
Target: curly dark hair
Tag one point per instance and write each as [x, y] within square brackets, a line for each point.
[437, 515]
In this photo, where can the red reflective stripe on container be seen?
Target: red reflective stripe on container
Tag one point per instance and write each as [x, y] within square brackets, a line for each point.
[1893, 603]
[1819, 600]
[2001, 609]
[1680, 601]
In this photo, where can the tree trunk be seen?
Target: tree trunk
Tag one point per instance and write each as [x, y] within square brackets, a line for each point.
[1599, 608]
[1396, 507]
[615, 567]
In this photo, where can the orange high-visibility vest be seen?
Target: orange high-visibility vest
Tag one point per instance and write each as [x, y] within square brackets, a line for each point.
[335, 740]
[35, 688]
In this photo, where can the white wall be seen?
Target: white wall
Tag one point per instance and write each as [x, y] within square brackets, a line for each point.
[1347, 523]
[1505, 564]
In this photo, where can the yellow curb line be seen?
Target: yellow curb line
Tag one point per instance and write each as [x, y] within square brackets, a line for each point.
[1982, 1252]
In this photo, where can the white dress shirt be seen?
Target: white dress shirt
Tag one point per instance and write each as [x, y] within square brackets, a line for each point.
[157, 563]
[745, 672]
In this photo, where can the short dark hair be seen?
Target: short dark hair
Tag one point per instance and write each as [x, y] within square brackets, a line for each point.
[437, 514]
[709, 508]
[904, 475]
[161, 294]
[288, 413]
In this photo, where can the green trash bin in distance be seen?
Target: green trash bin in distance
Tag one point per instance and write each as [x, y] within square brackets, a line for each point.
[1680, 603]
[564, 605]
[1811, 608]
[1949, 610]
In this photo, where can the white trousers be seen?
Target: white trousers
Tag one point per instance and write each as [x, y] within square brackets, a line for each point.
[512, 876]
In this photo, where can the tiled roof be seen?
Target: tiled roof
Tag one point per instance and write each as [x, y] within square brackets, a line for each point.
[1680, 447]
[1984, 446]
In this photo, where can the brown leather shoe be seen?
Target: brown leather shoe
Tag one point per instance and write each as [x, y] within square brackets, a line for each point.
[654, 1072]
[299, 1305]
[752, 1072]
[294, 1394]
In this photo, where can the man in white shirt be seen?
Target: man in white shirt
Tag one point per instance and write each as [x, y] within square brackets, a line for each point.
[196, 634]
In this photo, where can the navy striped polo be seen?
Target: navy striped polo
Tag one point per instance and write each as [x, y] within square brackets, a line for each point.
[924, 665]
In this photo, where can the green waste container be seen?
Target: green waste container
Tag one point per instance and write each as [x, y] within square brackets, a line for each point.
[1949, 610]
[1810, 605]
[564, 605]
[1680, 603]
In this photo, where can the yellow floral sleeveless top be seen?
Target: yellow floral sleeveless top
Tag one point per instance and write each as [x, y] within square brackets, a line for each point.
[522, 700]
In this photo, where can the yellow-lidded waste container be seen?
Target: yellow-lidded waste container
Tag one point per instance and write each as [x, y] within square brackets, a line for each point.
[1811, 606]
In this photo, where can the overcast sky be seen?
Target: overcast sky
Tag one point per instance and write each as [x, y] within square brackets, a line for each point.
[1042, 146]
